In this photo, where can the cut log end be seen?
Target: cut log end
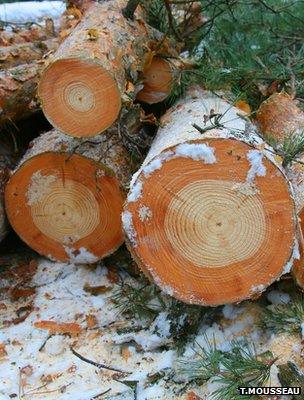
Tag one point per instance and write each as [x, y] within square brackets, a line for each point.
[66, 207]
[158, 80]
[79, 97]
[206, 227]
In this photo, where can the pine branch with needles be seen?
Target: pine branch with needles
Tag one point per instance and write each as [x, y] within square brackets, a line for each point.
[285, 317]
[242, 366]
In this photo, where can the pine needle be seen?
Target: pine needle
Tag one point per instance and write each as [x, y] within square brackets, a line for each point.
[285, 317]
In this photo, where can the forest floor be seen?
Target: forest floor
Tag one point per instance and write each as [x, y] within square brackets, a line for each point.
[52, 313]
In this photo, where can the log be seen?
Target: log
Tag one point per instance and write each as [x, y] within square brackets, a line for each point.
[14, 55]
[17, 92]
[65, 197]
[21, 36]
[6, 164]
[210, 216]
[278, 118]
[158, 80]
[82, 89]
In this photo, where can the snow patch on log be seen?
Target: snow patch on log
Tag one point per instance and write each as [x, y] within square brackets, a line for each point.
[39, 187]
[144, 213]
[80, 256]
[136, 192]
[196, 151]
[257, 168]
[127, 222]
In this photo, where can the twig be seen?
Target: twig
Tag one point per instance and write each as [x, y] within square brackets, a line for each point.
[129, 10]
[98, 365]
[171, 21]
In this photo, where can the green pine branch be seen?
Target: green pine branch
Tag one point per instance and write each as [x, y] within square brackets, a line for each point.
[242, 366]
[285, 317]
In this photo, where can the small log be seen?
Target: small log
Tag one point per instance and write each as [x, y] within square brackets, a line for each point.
[17, 92]
[158, 80]
[32, 34]
[6, 164]
[94, 68]
[14, 55]
[65, 198]
[278, 118]
[210, 216]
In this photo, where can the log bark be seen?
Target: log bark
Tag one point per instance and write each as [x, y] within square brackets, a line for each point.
[65, 198]
[14, 55]
[210, 216]
[279, 118]
[96, 69]
[17, 92]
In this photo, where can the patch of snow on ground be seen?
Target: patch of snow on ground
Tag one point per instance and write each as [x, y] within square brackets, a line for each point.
[31, 10]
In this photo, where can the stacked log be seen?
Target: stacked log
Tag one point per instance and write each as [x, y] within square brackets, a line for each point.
[11, 56]
[280, 119]
[65, 197]
[96, 69]
[158, 80]
[17, 92]
[210, 215]
[32, 34]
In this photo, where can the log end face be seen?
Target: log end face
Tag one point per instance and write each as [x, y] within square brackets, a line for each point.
[67, 209]
[212, 222]
[158, 80]
[278, 117]
[79, 97]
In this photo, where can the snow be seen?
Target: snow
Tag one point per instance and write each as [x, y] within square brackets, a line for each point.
[257, 168]
[80, 256]
[39, 187]
[196, 151]
[144, 213]
[135, 192]
[60, 297]
[31, 10]
[127, 221]
[277, 297]
[55, 345]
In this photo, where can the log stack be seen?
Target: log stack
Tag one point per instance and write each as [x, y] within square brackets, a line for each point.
[210, 216]
[65, 197]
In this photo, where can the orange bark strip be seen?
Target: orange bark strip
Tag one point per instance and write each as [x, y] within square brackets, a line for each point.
[53, 327]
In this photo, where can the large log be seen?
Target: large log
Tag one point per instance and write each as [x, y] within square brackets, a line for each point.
[210, 216]
[96, 68]
[280, 119]
[17, 92]
[14, 55]
[66, 196]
